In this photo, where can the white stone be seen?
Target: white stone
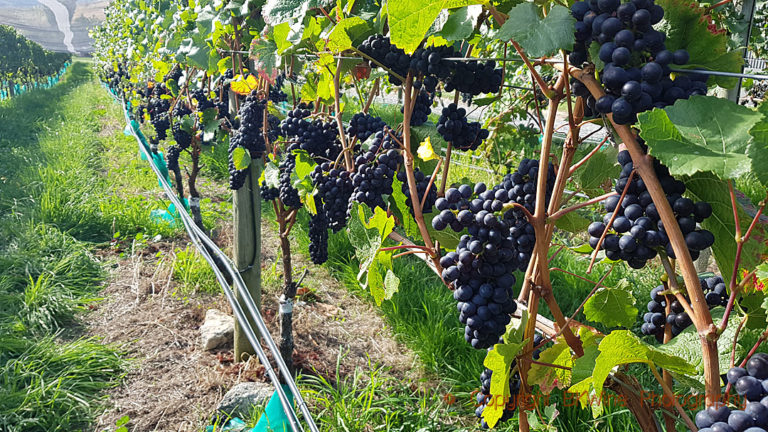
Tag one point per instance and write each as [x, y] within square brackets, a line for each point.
[218, 330]
[239, 400]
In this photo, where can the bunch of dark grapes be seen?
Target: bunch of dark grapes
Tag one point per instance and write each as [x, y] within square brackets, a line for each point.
[248, 136]
[318, 237]
[363, 125]
[655, 320]
[454, 127]
[203, 103]
[222, 98]
[158, 116]
[484, 395]
[422, 182]
[375, 171]
[422, 108]
[268, 193]
[334, 188]
[637, 234]
[431, 63]
[236, 177]
[173, 157]
[474, 77]
[288, 194]
[637, 71]
[174, 74]
[183, 138]
[276, 93]
[395, 59]
[751, 383]
[318, 138]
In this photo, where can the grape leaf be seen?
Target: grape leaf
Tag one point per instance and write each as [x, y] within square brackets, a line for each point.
[367, 232]
[707, 187]
[409, 21]
[598, 170]
[612, 306]
[622, 347]
[700, 134]
[499, 360]
[460, 23]
[280, 11]
[548, 377]
[265, 56]
[762, 271]
[572, 222]
[270, 175]
[758, 148]
[687, 345]
[401, 210]
[686, 27]
[584, 365]
[381, 281]
[539, 37]
[345, 32]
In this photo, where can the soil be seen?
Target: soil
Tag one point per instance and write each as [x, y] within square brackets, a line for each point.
[175, 385]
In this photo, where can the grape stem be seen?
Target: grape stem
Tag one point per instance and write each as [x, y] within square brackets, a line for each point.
[670, 394]
[673, 285]
[610, 222]
[644, 166]
[408, 157]
[589, 155]
[337, 107]
[404, 246]
[550, 365]
[429, 186]
[563, 212]
[511, 205]
[736, 338]
[740, 241]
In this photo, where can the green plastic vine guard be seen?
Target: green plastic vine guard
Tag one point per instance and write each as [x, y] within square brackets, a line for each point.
[273, 419]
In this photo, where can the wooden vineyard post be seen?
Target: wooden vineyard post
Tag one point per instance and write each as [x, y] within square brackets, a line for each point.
[246, 207]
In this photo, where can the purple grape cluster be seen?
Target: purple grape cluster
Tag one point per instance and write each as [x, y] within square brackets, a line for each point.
[334, 189]
[363, 125]
[375, 170]
[751, 383]
[248, 136]
[454, 127]
[656, 319]
[422, 182]
[637, 234]
[637, 75]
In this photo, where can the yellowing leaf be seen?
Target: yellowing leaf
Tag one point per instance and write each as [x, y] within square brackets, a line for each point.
[426, 152]
[244, 86]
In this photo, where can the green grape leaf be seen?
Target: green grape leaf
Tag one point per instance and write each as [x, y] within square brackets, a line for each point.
[270, 175]
[572, 222]
[265, 56]
[584, 365]
[762, 271]
[460, 24]
[209, 120]
[241, 158]
[307, 191]
[402, 211]
[758, 148]
[687, 345]
[280, 11]
[685, 25]
[622, 347]
[346, 32]
[409, 21]
[381, 281]
[706, 187]
[547, 377]
[280, 34]
[700, 134]
[367, 233]
[612, 306]
[583, 249]
[598, 171]
[539, 36]
[499, 360]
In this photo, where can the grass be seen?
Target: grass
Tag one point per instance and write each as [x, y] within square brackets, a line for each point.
[69, 179]
[194, 273]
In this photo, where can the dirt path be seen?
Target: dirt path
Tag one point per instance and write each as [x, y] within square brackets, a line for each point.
[173, 384]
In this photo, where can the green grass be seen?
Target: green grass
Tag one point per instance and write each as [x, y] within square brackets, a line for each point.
[193, 273]
[68, 178]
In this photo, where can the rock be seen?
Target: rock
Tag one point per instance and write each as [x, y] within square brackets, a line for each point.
[218, 330]
[238, 400]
